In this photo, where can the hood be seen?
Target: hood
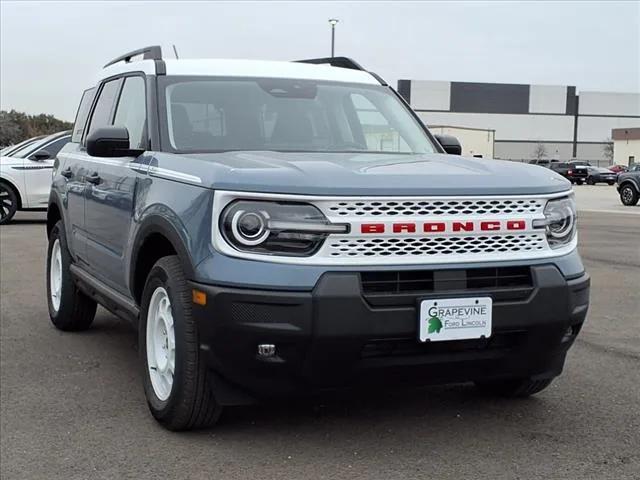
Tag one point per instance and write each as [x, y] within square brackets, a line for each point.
[363, 174]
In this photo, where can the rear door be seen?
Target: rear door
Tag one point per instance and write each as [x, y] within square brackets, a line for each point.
[110, 196]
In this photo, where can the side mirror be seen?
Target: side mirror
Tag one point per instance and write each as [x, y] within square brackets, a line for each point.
[110, 141]
[450, 144]
[40, 155]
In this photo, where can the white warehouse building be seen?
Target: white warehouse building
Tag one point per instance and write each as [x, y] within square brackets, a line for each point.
[519, 118]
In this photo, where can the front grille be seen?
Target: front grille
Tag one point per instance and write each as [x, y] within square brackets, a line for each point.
[434, 207]
[434, 247]
[402, 287]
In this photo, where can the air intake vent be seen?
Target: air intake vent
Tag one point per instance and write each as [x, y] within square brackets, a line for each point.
[402, 287]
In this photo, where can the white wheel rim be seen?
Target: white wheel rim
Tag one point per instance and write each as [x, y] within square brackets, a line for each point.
[55, 275]
[161, 344]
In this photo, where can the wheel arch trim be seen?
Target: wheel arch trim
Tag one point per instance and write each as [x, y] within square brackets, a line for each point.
[631, 181]
[160, 225]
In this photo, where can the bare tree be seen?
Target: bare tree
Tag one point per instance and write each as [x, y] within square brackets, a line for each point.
[540, 151]
[607, 150]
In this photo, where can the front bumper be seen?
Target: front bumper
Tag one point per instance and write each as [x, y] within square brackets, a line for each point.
[335, 336]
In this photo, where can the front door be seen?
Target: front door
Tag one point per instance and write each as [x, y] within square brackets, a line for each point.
[111, 188]
[38, 167]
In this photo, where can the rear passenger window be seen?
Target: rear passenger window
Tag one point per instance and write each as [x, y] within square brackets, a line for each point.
[82, 114]
[102, 113]
[131, 111]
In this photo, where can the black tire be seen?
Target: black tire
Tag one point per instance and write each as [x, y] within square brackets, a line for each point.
[514, 388]
[611, 183]
[8, 202]
[579, 182]
[629, 195]
[76, 311]
[190, 403]
[590, 181]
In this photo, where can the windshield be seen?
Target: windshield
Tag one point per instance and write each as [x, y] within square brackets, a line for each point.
[211, 115]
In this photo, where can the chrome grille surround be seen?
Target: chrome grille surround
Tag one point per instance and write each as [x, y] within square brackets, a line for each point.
[358, 249]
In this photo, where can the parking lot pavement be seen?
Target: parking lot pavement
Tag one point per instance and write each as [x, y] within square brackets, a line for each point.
[72, 405]
[601, 198]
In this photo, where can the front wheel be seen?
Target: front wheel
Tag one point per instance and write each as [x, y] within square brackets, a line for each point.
[579, 182]
[176, 381]
[590, 181]
[514, 388]
[8, 203]
[628, 195]
[69, 308]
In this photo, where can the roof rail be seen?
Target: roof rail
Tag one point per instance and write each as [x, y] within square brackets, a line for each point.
[154, 52]
[341, 62]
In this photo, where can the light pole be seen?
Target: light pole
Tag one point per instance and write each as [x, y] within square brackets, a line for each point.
[333, 22]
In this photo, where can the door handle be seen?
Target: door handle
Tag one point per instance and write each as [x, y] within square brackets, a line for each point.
[67, 172]
[94, 178]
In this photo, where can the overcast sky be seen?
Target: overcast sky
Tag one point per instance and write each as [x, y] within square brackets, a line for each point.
[50, 51]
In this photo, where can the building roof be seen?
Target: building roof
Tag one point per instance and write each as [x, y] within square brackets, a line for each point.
[625, 133]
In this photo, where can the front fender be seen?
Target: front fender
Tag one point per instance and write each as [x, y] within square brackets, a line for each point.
[633, 181]
[159, 220]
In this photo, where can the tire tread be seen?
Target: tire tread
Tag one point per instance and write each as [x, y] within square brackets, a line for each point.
[77, 310]
[197, 407]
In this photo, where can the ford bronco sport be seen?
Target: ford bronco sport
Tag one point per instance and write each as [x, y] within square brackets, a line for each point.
[284, 228]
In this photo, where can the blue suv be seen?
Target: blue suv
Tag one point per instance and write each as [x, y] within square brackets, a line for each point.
[286, 228]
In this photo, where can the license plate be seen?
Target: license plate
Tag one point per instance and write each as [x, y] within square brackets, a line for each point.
[455, 319]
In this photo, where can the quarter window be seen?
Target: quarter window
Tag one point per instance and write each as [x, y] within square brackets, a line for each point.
[131, 111]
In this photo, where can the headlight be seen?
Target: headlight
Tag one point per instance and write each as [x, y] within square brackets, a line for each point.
[559, 222]
[276, 228]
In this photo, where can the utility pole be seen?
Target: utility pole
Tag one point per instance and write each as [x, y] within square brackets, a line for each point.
[333, 22]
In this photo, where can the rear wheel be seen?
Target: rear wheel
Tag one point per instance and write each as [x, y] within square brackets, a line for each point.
[628, 195]
[8, 203]
[579, 182]
[590, 181]
[611, 183]
[514, 388]
[176, 381]
[69, 308]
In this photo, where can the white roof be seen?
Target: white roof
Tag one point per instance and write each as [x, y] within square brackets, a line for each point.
[244, 68]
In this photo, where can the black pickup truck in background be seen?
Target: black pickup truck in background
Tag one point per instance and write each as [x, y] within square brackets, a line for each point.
[571, 171]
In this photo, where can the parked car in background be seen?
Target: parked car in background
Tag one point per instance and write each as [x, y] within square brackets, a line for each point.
[543, 162]
[629, 185]
[580, 163]
[574, 173]
[601, 175]
[10, 149]
[618, 168]
[25, 175]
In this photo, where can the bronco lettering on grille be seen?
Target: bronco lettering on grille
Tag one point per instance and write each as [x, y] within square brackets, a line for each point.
[444, 227]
